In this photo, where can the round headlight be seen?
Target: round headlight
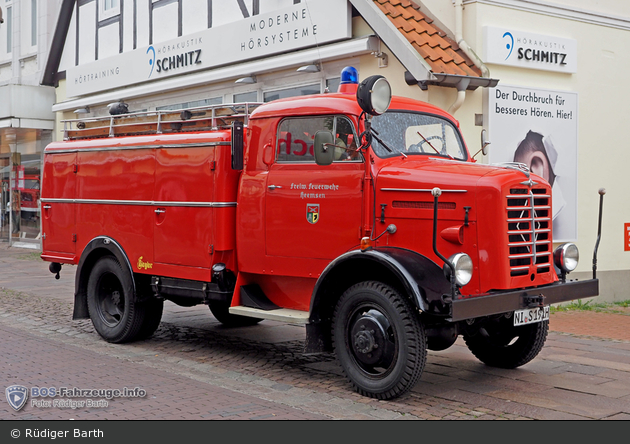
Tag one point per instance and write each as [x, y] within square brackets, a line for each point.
[374, 95]
[463, 268]
[566, 257]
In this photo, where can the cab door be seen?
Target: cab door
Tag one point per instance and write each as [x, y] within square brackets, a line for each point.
[313, 211]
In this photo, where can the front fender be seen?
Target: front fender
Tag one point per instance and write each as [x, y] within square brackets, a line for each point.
[421, 278]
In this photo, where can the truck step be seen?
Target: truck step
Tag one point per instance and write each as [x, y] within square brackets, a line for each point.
[252, 296]
[281, 314]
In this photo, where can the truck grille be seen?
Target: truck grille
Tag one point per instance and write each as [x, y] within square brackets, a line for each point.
[529, 231]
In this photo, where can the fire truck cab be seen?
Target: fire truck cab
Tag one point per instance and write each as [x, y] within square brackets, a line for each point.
[359, 215]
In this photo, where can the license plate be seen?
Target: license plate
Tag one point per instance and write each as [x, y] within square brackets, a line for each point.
[531, 315]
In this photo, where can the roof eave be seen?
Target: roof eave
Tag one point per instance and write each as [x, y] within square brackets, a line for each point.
[452, 81]
[395, 41]
[49, 75]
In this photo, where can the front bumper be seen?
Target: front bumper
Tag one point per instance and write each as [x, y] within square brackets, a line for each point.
[506, 301]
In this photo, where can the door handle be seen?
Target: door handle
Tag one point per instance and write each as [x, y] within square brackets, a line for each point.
[273, 187]
[160, 211]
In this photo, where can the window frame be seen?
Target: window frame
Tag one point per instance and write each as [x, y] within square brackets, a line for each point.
[456, 131]
[294, 87]
[104, 14]
[312, 161]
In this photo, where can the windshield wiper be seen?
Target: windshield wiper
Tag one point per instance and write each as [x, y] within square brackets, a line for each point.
[375, 135]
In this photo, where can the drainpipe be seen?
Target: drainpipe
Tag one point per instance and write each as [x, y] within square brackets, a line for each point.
[459, 37]
[461, 95]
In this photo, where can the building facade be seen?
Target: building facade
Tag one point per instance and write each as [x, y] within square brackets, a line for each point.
[539, 80]
[26, 117]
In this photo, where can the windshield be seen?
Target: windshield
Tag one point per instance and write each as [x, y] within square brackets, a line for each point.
[412, 133]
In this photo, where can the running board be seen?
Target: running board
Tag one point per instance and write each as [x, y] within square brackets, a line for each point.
[281, 314]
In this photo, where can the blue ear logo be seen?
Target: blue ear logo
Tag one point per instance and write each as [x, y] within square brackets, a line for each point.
[510, 45]
[151, 59]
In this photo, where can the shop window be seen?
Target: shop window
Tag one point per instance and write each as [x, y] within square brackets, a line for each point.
[296, 136]
[20, 172]
[251, 96]
[193, 104]
[291, 92]
[332, 85]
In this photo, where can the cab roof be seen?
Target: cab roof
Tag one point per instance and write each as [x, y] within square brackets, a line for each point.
[336, 103]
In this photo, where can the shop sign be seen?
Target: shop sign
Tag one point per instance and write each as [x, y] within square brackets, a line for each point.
[539, 127]
[289, 28]
[626, 237]
[506, 46]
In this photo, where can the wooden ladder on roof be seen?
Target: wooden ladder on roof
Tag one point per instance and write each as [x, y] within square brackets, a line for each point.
[203, 118]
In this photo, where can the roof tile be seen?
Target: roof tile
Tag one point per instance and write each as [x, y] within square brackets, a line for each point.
[441, 52]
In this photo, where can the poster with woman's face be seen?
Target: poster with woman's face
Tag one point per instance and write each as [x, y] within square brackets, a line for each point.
[539, 128]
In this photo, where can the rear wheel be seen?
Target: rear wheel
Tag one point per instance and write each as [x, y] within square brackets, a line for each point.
[501, 344]
[152, 318]
[220, 310]
[379, 340]
[112, 305]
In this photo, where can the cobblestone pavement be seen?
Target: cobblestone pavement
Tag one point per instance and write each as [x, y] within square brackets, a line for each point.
[193, 368]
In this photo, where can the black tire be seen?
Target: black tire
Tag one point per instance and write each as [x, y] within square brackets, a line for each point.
[220, 310]
[369, 314]
[501, 344]
[152, 318]
[112, 305]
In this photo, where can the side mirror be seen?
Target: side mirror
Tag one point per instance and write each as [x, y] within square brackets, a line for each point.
[484, 143]
[323, 147]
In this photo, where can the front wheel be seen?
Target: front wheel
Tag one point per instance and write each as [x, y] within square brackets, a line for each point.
[379, 340]
[501, 344]
[115, 313]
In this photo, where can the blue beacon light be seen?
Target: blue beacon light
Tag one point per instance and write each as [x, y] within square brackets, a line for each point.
[349, 75]
[349, 81]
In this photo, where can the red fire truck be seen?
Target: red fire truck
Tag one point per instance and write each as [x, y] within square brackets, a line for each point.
[360, 216]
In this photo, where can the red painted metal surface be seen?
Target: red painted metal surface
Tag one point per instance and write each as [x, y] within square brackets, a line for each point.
[290, 220]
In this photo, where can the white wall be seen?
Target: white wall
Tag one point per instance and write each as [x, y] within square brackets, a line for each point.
[23, 64]
[599, 82]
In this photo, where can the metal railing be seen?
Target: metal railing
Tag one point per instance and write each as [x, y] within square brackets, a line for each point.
[202, 118]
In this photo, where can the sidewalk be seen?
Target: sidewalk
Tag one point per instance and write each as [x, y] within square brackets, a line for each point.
[590, 323]
[23, 356]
